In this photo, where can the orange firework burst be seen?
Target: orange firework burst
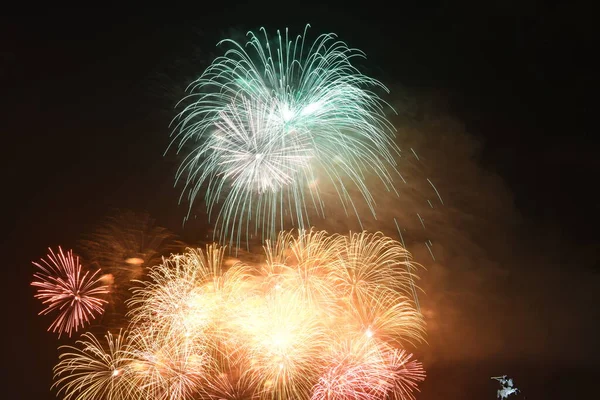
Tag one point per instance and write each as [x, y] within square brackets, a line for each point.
[67, 290]
[325, 317]
[95, 371]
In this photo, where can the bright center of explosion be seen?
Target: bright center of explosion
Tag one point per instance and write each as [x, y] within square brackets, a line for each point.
[280, 340]
[286, 113]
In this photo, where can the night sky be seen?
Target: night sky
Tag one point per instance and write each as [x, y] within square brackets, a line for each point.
[87, 97]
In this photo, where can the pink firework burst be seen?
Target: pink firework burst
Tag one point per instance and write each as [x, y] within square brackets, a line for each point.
[65, 289]
[404, 374]
[366, 370]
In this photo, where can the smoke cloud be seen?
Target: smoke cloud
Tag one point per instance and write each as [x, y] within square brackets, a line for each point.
[497, 288]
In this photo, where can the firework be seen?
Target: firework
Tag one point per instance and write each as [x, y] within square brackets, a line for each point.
[172, 292]
[230, 385]
[283, 340]
[67, 290]
[303, 265]
[365, 370]
[385, 315]
[371, 262]
[323, 317]
[167, 366]
[94, 371]
[190, 293]
[270, 121]
[404, 374]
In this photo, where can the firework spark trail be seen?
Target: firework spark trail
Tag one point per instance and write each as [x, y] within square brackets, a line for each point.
[92, 371]
[303, 265]
[324, 317]
[251, 153]
[231, 385]
[191, 293]
[74, 295]
[404, 374]
[271, 122]
[373, 261]
[361, 368]
[167, 367]
[412, 283]
[284, 340]
[172, 289]
[385, 315]
[352, 373]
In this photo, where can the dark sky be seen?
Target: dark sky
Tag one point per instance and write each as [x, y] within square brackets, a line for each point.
[87, 97]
